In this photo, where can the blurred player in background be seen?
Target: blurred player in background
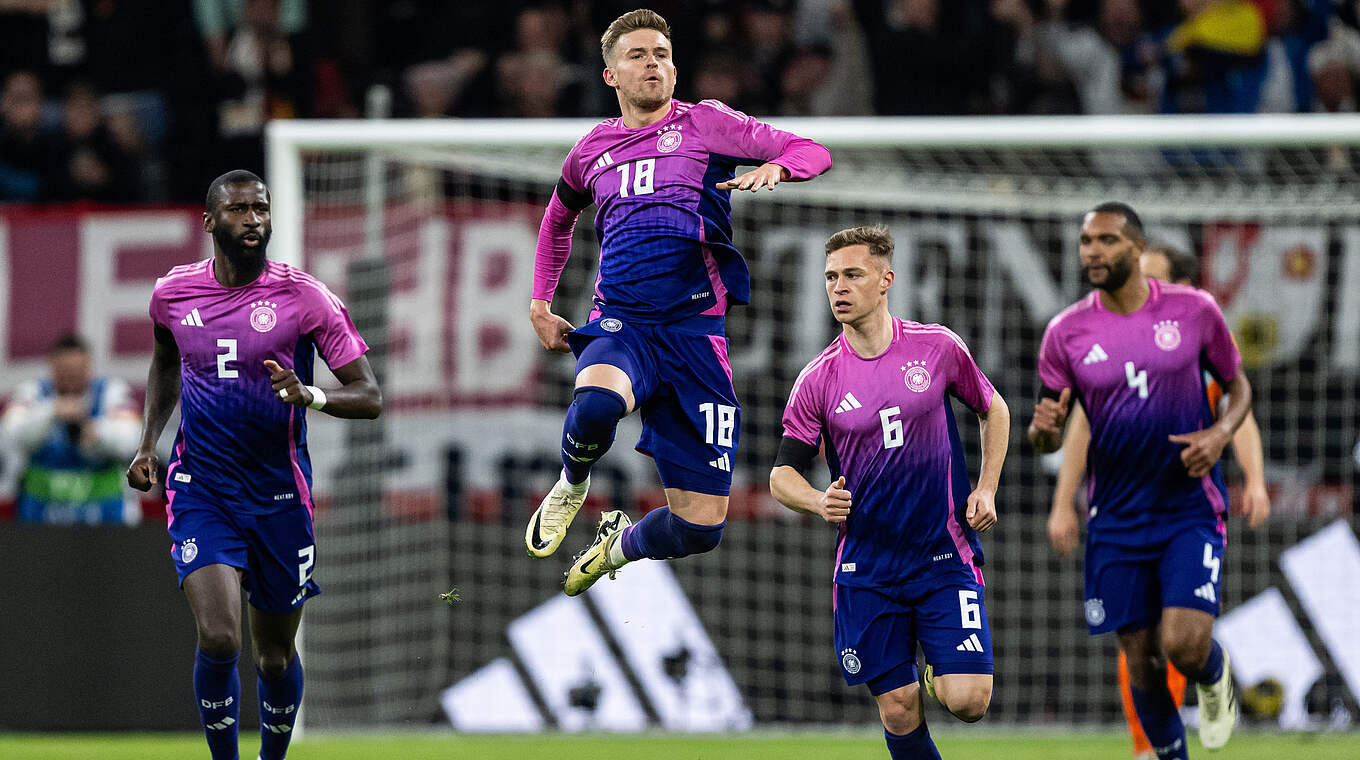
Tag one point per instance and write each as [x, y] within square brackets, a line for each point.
[75, 430]
[660, 176]
[908, 559]
[1133, 353]
[1165, 264]
[235, 338]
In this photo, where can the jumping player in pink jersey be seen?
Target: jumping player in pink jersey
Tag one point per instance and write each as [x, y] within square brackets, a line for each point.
[1133, 353]
[908, 560]
[660, 177]
[235, 338]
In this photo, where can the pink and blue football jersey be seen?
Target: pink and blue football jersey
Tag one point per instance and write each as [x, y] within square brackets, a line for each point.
[888, 426]
[665, 231]
[1140, 378]
[238, 445]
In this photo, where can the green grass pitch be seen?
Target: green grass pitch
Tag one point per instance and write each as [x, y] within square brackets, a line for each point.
[985, 744]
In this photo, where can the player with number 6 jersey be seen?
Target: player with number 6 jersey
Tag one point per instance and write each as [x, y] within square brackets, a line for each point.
[660, 176]
[1133, 354]
[235, 338]
[908, 566]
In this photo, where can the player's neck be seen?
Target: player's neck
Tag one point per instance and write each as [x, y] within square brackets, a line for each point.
[871, 335]
[636, 118]
[1129, 297]
[231, 273]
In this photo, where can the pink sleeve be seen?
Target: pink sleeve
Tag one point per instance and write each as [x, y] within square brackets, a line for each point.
[969, 384]
[1054, 370]
[731, 132]
[327, 321]
[158, 309]
[554, 247]
[802, 421]
[1217, 345]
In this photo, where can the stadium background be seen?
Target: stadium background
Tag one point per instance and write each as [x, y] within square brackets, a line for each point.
[428, 243]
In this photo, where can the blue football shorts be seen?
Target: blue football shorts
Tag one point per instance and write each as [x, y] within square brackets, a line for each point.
[682, 383]
[877, 631]
[276, 551]
[1127, 587]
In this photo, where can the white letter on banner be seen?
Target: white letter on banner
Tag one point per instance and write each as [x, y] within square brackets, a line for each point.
[1346, 338]
[494, 347]
[103, 298]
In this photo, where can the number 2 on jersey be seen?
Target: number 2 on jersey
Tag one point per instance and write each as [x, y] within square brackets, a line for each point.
[642, 177]
[228, 356]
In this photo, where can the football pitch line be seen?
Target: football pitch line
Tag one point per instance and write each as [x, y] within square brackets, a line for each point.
[988, 743]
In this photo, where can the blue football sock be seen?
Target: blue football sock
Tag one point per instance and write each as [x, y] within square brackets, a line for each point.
[662, 535]
[915, 745]
[217, 686]
[588, 431]
[279, 701]
[1161, 722]
[1212, 668]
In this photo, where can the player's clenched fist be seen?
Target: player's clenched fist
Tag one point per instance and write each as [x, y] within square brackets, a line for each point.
[1050, 417]
[551, 329]
[286, 384]
[141, 474]
[834, 503]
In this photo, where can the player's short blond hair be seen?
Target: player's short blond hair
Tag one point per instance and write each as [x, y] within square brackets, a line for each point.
[874, 236]
[642, 18]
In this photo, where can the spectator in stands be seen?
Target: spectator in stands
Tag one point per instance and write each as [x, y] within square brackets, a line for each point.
[264, 76]
[1334, 65]
[1214, 58]
[924, 55]
[218, 20]
[30, 158]
[95, 167]
[536, 79]
[76, 431]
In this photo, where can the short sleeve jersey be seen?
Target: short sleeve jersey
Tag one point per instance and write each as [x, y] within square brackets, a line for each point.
[665, 230]
[238, 444]
[887, 425]
[1141, 378]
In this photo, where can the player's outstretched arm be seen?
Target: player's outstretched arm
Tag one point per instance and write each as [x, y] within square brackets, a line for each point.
[357, 398]
[1050, 417]
[790, 488]
[1246, 445]
[765, 175]
[1064, 528]
[162, 394]
[995, 428]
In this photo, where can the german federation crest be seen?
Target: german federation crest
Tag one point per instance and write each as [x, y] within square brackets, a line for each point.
[610, 324]
[668, 141]
[188, 551]
[917, 377]
[850, 661]
[262, 316]
[1095, 611]
[1167, 335]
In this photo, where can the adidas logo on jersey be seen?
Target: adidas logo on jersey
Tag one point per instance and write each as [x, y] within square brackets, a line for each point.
[192, 319]
[970, 644]
[723, 463]
[848, 403]
[603, 161]
[1096, 354]
[1206, 592]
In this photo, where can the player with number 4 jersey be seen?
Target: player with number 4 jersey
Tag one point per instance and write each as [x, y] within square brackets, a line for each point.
[660, 176]
[908, 566]
[1133, 353]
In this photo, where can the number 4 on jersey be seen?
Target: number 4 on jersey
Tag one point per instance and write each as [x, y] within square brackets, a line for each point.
[1137, 379]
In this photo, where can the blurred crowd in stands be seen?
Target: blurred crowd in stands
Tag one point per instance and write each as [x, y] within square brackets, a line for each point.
[132, 101]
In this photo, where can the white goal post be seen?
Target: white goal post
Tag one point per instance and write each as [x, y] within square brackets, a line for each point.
[428, 227]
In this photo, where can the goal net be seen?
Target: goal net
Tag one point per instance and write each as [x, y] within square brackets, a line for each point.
[427, 230]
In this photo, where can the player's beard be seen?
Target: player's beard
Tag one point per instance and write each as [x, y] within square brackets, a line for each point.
[237, 251]
[1117, 273]
[648, 103]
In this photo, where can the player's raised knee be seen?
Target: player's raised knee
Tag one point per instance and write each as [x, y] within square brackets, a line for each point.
[899, 710]
[967, 700]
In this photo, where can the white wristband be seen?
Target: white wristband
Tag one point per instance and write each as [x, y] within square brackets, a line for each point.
[318, 398]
